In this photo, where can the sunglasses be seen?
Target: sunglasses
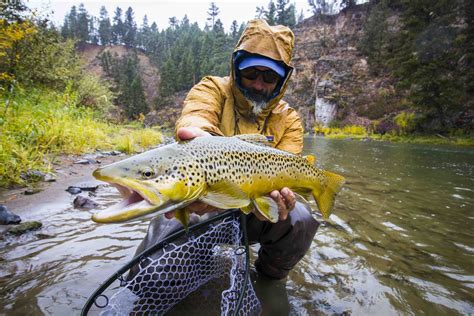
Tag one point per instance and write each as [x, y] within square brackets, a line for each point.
[252, 73]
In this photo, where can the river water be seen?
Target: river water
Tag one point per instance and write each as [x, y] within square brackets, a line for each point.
[400, 241]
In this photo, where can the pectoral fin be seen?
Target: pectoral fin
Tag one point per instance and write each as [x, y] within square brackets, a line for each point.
[182, 215]
[225, 195]
[267, 207]
[247, 209]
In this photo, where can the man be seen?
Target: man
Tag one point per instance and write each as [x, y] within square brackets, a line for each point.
[249, 102]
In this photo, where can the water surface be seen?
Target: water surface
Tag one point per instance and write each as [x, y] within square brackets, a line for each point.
[399, 242]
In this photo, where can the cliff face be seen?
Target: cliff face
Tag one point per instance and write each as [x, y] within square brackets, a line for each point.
[332, 78]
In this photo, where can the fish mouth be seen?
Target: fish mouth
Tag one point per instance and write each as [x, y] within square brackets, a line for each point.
[134, 204]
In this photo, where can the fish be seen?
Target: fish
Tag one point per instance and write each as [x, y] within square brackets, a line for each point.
[224, 172]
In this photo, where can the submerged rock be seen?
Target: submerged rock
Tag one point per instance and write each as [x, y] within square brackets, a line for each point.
[84, 202]
[31, 191]
[80, 188]
[24, 227]
[74, 190]
[7, 217]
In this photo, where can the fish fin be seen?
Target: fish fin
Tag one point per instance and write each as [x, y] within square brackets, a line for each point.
[256, 139]
[182, 215]
[267, 207]
[300, 198]
[311, 159]
[247, 209]
[225, 195]
[325, 196]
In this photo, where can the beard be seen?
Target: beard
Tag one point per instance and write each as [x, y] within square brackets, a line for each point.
[258, 100]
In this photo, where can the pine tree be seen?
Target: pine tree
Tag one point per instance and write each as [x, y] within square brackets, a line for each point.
[117, 27]
[212, 13]
[234, 31]
[375, 39]
[105, 28]
[70, 27]
[83, 24]
[270, 15]
[129, 28]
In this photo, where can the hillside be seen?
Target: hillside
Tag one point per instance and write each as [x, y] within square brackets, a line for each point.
[150, 77]
[338, 80]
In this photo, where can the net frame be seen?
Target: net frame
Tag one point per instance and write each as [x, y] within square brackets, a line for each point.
[243, 280]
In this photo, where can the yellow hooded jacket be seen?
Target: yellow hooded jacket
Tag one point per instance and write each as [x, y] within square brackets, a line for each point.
[216, 104]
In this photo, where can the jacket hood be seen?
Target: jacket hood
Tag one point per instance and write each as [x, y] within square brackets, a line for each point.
[275, 42]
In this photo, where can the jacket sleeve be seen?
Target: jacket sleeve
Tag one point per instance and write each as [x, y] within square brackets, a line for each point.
[292, 139]
[203, 107]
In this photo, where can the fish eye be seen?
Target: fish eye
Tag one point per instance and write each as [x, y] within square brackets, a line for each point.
[148, 173]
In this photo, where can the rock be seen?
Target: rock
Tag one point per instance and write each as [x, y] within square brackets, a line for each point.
[88, 188]
[84, 202]
[24, 227]
[31, 191]
[112, 153]
[32, 174]
[79, 189]
[7, 217]
[36, 175]
[49, 177]
[74, 190]
[44, 236]
[84, 162]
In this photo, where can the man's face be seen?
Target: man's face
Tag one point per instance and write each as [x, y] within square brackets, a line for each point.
[259, 83]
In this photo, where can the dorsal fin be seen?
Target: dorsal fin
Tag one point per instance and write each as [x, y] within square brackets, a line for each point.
[256, 139]
[311, 159]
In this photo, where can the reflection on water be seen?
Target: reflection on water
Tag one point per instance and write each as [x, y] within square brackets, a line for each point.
[401, 238]
[400, 241]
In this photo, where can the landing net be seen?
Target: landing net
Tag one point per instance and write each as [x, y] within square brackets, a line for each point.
[203, 272]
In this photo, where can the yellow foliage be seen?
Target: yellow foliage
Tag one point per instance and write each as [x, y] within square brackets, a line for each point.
[405, 122]
[10, 35]
[350, 130]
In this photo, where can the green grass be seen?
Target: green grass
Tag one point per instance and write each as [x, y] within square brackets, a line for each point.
[40, 124]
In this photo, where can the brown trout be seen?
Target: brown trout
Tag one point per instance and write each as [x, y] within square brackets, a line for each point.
[225, 172]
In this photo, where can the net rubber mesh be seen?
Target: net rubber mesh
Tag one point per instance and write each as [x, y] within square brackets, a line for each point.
[202, 273]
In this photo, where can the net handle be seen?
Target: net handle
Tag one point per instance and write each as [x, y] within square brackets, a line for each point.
[117, 275]
[243, 224]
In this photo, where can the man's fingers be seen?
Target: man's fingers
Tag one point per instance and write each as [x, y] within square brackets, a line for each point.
[282, 210]
[289, 198]
[185, 133]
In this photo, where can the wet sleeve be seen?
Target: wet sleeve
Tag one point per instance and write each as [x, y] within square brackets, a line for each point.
[292, 139]
[203, 107]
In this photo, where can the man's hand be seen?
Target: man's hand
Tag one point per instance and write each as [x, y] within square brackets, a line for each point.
[186, 133]
[285, 199]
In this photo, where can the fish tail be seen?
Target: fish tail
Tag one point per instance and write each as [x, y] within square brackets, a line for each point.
[325, 196]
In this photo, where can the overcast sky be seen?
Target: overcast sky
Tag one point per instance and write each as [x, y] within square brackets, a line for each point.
[160, 11]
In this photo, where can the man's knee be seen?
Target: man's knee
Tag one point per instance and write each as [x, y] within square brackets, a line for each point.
[284, 244]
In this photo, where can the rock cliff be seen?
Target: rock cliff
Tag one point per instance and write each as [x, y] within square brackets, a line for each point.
[332, 79]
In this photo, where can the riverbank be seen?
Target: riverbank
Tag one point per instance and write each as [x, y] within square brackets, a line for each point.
[462, 141]
[67, 172]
